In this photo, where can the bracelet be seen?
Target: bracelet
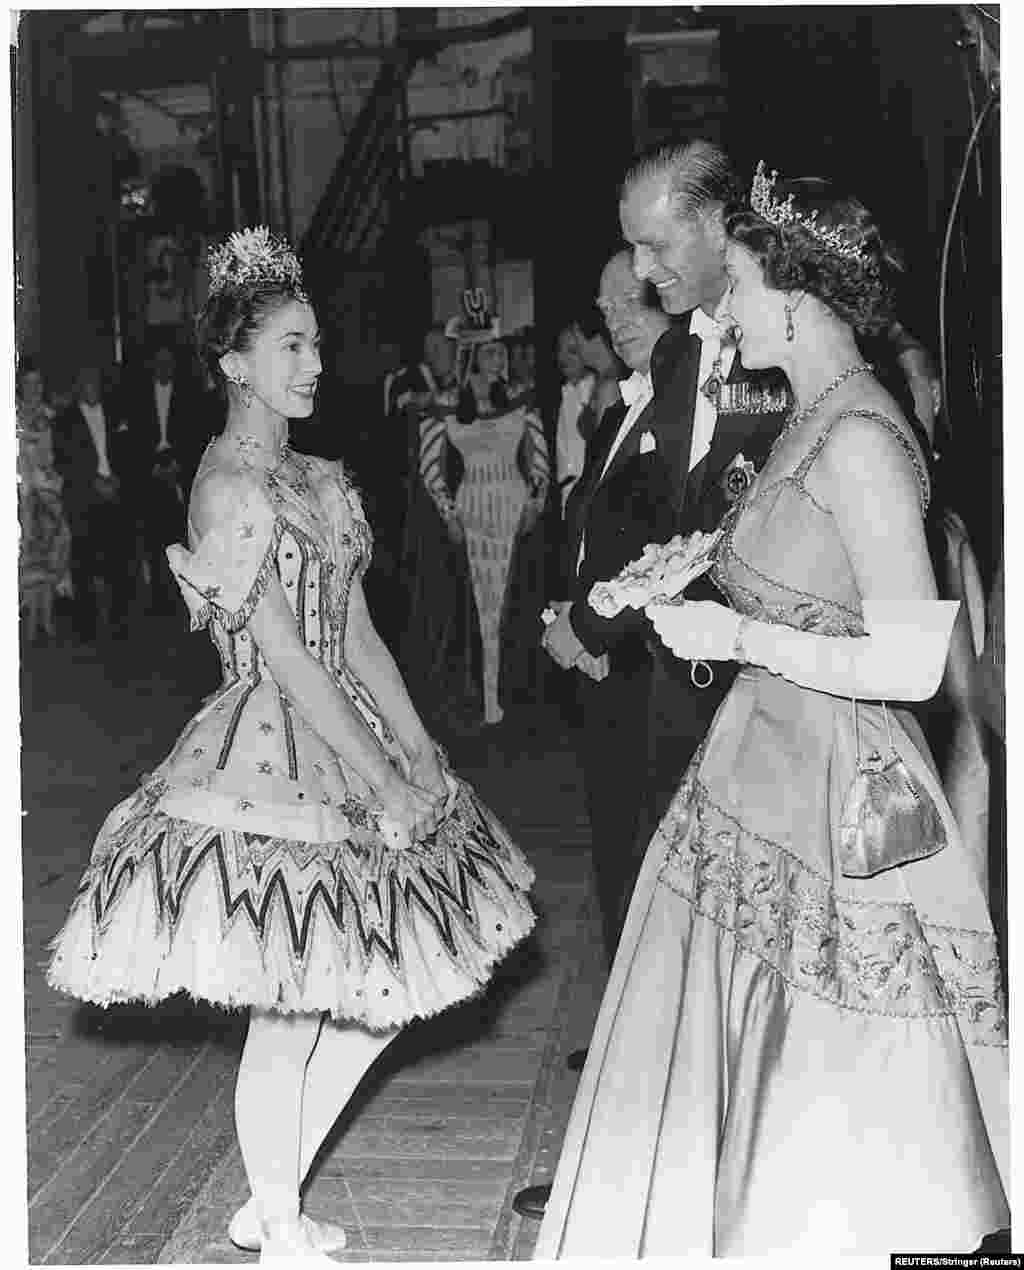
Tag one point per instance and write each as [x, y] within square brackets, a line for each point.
[739, 653]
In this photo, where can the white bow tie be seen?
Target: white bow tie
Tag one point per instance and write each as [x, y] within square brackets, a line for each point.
[633, 388]
[703, 326]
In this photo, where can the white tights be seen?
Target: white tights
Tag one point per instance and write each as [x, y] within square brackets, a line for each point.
[297, 1073]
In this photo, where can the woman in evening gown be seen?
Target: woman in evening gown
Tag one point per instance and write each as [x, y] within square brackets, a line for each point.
[798, 1052]
[499, 441]
[302, 852]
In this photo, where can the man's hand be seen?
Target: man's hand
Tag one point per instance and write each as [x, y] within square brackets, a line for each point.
[559, 640]
[107, 487]
[531, 514]
[595, 668]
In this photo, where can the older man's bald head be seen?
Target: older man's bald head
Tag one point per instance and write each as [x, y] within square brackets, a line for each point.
[634, 319]
[617, 278]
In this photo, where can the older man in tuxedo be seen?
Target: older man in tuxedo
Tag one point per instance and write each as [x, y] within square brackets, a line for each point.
[620, 503]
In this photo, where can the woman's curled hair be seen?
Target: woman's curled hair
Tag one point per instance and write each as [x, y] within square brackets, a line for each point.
[231, 318]
[858, 289]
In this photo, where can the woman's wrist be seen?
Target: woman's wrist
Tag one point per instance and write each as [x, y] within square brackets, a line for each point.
[750, 644]
[739, 651]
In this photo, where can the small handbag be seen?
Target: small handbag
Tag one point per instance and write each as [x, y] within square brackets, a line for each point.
[888, 817]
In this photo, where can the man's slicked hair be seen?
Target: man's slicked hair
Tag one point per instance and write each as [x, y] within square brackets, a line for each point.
[699, 174]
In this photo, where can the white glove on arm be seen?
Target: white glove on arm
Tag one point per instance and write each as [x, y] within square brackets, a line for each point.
[901, 657]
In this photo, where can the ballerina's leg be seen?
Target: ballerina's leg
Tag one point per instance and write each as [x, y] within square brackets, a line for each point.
[268, 1107]
[344, 1053]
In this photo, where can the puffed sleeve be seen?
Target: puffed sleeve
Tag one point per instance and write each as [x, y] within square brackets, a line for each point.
[225, 576]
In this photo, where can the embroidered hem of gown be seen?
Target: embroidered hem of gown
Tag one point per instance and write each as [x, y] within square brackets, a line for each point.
[353, 928]
[769, 1032]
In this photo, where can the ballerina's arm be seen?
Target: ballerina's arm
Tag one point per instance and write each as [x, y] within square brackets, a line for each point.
[370, 659]
[271, 623]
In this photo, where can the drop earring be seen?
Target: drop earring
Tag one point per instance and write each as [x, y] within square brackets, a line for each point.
[790, 331]
[244, 390]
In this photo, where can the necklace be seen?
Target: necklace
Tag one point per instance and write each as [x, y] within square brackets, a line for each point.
[246, 442]
[801, 416]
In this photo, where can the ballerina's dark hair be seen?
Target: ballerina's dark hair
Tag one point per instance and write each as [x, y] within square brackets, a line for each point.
[252, 275]
[230, 320]
[857, 283]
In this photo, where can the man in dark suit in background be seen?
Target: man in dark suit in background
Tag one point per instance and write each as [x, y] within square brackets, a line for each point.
[169, 427]
[92, 453]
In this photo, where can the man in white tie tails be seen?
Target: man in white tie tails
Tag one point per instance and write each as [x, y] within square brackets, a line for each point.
[664, 467]
[714, 421]
[670, 472]
[91, 454]
[170, 429]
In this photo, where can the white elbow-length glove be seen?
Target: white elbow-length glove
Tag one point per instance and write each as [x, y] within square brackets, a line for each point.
[901, 657]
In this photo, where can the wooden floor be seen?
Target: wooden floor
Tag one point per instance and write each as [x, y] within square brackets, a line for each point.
[131, 1149]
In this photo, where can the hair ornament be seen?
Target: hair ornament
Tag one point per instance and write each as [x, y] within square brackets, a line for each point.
[476, 324]
[782, 213]
[254, 256]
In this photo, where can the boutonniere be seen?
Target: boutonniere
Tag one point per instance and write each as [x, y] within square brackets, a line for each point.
[737, 478]
[647, 443]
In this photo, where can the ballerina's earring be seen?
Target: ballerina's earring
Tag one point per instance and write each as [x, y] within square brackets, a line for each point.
[244, 389]
[790, 331]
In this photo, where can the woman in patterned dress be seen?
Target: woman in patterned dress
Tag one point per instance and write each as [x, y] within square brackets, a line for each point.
[499, 439]
[45, 538]
[303, 851]
[802, 1048]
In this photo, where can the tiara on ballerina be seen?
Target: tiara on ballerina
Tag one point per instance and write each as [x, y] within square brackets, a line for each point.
[254, 256]
[476, 324]
[783, 213]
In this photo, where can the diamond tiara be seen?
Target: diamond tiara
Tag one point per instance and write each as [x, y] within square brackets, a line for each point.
[783, 213]
[254, 256]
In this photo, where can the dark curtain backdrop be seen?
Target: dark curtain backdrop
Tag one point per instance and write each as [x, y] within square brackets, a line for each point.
[877, 96]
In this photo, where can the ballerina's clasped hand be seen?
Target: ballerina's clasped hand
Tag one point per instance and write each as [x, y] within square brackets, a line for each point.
[415, 803]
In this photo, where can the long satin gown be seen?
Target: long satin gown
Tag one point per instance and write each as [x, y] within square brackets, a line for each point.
[786, 1060]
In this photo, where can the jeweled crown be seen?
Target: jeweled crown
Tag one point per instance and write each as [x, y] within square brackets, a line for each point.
[781, 212]
[254, 256]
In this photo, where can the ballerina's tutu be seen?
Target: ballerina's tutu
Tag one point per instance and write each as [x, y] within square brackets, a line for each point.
[252, 867]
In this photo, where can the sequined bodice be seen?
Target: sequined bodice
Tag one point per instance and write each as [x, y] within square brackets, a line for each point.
[781, 557]
[320, 540]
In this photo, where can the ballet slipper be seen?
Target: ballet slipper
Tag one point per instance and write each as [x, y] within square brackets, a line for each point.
[245, 1231]
[292, 1238]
